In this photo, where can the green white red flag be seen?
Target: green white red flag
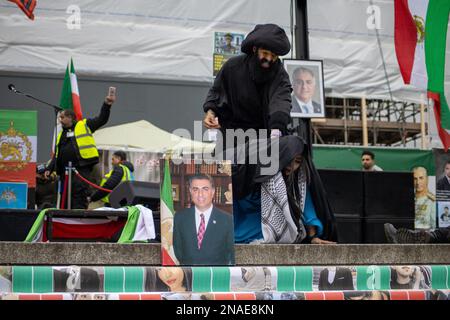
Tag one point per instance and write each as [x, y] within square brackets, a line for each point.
[420, 44]
[70, 96]
[167, 212]
[18, 146]
[139, 227]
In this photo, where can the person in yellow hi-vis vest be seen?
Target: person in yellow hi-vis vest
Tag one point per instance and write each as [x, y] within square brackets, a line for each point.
[122, 171]
[76, 144]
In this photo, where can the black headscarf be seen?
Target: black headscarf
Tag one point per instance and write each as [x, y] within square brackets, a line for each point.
[250, 178]
[268, 36]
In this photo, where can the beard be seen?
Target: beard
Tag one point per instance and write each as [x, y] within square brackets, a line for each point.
[261, 74]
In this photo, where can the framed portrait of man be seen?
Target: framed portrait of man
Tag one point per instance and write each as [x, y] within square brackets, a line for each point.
[308, 98]
[196, 228]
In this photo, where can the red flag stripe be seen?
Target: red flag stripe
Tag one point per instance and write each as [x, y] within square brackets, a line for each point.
[27, 174]
[166, 258]
[77, 106]
[405, 38]
[445, 137]
[87, 231]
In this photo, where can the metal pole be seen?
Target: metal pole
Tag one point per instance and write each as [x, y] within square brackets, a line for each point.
[304, 129]
[69, 189]
[423, 138]
[301, 30]
[58, 195]
[345, 122]
[365, 134]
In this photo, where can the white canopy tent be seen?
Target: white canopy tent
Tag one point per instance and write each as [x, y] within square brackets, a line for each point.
[144, 136]
[145, 144]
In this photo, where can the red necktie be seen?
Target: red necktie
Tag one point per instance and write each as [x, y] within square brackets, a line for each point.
[201, 231]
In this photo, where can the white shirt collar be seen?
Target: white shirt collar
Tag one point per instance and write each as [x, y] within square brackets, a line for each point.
[207, 214]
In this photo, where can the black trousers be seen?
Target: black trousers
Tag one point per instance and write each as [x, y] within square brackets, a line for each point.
[80, 189]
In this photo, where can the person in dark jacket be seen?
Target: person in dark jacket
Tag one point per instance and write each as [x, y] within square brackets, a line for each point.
[444, 182]
[122, 171]
[251, 91]
[76, 144]
[45, 195]
[336, 278]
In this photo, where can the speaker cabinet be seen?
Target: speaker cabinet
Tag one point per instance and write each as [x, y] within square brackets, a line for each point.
[344, 190]
[389, 194]
[135, 192]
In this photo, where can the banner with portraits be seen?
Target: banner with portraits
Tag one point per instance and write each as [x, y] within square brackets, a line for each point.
[251, 282]
[442, 216]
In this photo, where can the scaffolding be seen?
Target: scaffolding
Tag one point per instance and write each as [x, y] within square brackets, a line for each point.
[373, 122]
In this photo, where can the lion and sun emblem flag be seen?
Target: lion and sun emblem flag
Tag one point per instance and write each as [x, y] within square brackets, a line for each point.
[13, 195]
[18, 146]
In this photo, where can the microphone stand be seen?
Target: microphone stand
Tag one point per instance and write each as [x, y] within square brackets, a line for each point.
[14, 90]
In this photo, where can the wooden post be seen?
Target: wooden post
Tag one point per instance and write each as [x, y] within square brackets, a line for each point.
[365, 133]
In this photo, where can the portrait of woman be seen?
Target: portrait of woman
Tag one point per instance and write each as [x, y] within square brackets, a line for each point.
[173, 279]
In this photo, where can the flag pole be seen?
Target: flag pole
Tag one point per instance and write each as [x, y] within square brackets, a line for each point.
[365, 134]
[422, 125]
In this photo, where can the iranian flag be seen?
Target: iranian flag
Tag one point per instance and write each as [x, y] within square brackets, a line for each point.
[420, 44]
[70, 96]
[18, 146]
[138, 227]
[167, 211]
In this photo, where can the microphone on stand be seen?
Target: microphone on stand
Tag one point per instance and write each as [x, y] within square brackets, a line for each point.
[12, 88]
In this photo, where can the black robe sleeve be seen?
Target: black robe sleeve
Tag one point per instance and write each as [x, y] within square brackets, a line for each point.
[217, 100]
[280, 103]
[321, 204]
[101, 119]
[213, 98]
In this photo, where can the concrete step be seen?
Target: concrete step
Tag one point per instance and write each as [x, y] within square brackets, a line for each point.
[82, 253]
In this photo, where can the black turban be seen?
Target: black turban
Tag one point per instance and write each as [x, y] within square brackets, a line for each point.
[267, 36]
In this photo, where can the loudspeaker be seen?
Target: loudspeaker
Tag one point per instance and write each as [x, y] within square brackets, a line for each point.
[373, 228]
[344, 189]
[389, 195]
[135, 192]
[15, 224]
[349, 228]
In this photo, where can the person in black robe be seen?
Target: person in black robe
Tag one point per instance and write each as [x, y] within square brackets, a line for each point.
[251, 91]
[294, 155]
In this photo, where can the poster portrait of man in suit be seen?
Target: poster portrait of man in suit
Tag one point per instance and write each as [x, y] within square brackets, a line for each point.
[203, 234]
[307, 90]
